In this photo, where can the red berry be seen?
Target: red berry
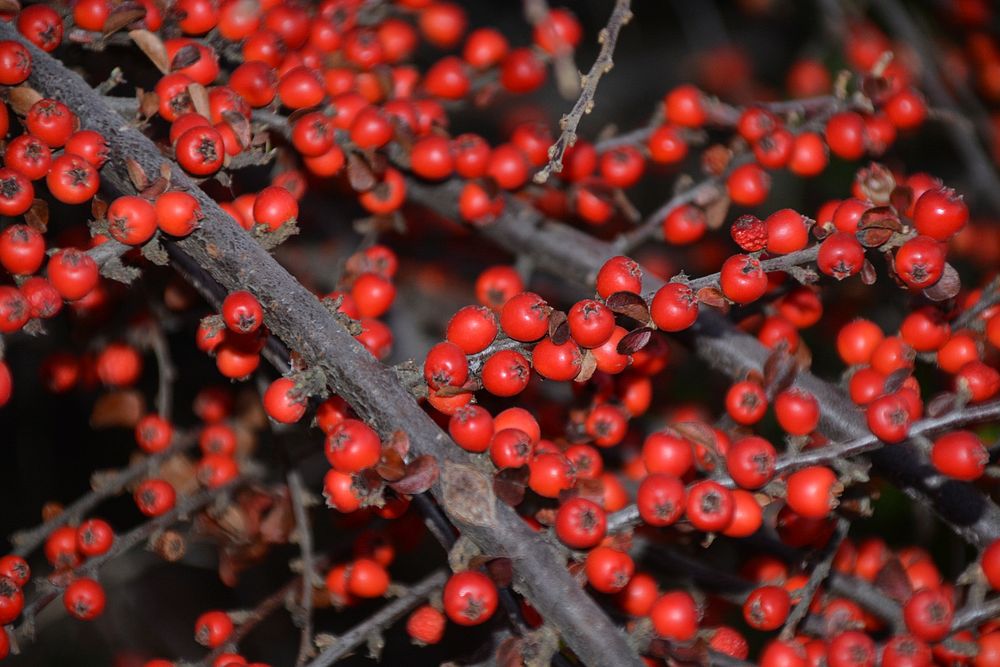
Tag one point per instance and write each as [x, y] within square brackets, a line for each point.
[580, 523]
[742, 279]
[84, 599]
[812, 492]
[469, 598]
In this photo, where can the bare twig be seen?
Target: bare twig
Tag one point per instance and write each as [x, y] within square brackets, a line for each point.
[107, 486]
[380, 620]
[608, 37]
[816, 578]
[303, 530]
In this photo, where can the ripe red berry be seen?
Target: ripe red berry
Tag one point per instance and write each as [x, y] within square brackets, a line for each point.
[560, 363]
[94, 537]
[580, 523]
[845, 134]
[608, 570]
[525, 317]
[177, 213]
[511, 448]
[889, 418]
[928, 614]
[959, 455]
[920, 262]
[283, 403]
[674, 307]
[242, 312]
[549, 474]
[797, 411]
[471, 427]
[661, 499]
[684, 106]
[940, 213]
[11, 600]
[767, 607]
[666, 452]
[426, 625]
[619, 274]
[591, 323]
[786, 232]
[154, 497]
[469, 598]
[131, 220]
[742, 279]
[675, 616]
[506, 373]
[840, 255]
[213, 629]
[710, 506]
[84, 599]
[812, 492]
[352, 446]
[748, 185]
[275, 206]
[751, 461]
[746, 402]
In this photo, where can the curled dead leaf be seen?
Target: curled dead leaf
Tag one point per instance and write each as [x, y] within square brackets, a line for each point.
[150, 44]
[947, 287]
[420, 475]
[629, 304]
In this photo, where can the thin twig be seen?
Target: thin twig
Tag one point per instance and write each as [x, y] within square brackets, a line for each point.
[380, 620]
[819, 573]
[608, 37]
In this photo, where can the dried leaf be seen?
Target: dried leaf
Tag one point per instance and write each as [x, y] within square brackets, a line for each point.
[877, 226]
[558, 327]
[501, 571]
[240, 125]
[629, 304]
[901, 198]
[895, 381]
[136, 174]
[712, 296]
[588, 365]
[947, 287]
[155, 189]
[37, 217]
[634, 341]
[868, 273]
[199, 98]
[150, 44]
[421, 474]
[188, 55]
[122, 409]
[10, 6]
[359, 174]
[510, 652]
[468, 494]
[716, 211]
[779, 371]
[391, 467]
[22, 98]
[877, 183]
[510, 484]
[124, 14]
[400, 443]
[941, 404]
[893, 581]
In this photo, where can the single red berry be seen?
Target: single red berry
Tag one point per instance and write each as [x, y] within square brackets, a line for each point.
[959, 455]
[742, 279]
[674, 307]
[920, 262]
[928, 614]
[84, 599]
[797, 411]
[767, 607]
[746, 402]
[580, 523]
[242, 312]
[675, 616]
[661, 499]
[940, 213]
[812, 492]
[213, 629]
[608, 570]
[352, 446]
[469, 598]
[94, 537]
[710, 506]
[751, 462]
[283, 403]
[426, 625]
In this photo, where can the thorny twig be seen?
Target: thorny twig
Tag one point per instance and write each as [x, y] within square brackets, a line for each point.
[608, 37]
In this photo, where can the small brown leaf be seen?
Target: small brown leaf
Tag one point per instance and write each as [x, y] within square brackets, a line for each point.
[629, 304]
[941, 404]
[149, 103]
[37, 217]
[22, 98]
[588, 364]
[399, 442]
[187, 55]
[634, 341]
[136, 174]
[877, 226]
[779, 371]
[868, 273]
[510, 484]
[510, 652]
[893, 581]
[121, 408]
[947, 287]
[558, 327]
[199, 98]
[901, 198]
[122, 15]
[155, 189]
[240, 125]
[895, 381]
[421, 474]
[10, 6]
[150, 44]
[391, 467]
[877, 183]
[501, 571]
[712, 296]
[468, 494]
[359, 174]
[716, 211]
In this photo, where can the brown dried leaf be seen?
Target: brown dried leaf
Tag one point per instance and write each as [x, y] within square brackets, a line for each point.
[941, 404]
[712, 296]
[149, 103]
[893, 581]
[779, 371]
[22, 98]
[877, 226]
[121, 408]
[37, 217]
[150, 44]
[588, 364]
[716, 211]
[188, 55]
[136, 174]
[901, 198]
[240, 125]
[199, 98]
[895, 381]
[359, 174]
[155, 189]
[400, 443]
[868, 273]
[391, 467]
[635, 340]
[510, 484]
[947, 287]
[510, 653]
[124, 14]
[629, 304]
[421, 474]
[558, 327]
[501, 571]
[10, 6]
[698, 432]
